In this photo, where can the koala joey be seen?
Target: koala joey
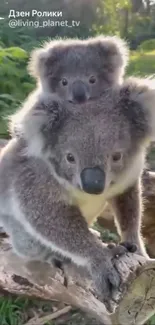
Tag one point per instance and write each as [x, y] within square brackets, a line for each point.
[77, 70]
[66, 162]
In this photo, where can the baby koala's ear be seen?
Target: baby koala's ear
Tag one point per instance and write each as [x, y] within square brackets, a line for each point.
[115, 54]
[138, 104]
[37, 62]
[40, 57]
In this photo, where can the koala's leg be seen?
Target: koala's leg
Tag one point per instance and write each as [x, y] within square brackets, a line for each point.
[26, 246]
[128, 211]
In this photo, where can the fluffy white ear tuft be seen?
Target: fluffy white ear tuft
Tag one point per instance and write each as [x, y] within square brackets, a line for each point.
[39, 57]
[115, 51]
[142, 91]
[37, 61]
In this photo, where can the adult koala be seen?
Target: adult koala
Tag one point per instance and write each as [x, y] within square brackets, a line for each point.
[57, 175]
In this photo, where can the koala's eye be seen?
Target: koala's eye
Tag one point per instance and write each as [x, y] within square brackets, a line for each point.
[70, 158]
[117, 156]
[64, 82]
[92, 80]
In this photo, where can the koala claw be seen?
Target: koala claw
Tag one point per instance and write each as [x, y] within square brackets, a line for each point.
[108, 278]
[118, 250]
[59, 264]
[132, 248]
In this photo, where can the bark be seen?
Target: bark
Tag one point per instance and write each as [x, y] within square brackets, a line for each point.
[134, 302]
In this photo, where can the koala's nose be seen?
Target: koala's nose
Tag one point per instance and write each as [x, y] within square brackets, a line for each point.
[93, 180]
[79, 91]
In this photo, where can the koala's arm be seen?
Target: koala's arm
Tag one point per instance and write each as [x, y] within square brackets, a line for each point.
[63, 229]
[128, 212]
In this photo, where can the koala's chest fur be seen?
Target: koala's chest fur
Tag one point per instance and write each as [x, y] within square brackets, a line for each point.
[90, 206]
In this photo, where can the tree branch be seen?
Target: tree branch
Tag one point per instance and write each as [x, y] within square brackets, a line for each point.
[135, 299]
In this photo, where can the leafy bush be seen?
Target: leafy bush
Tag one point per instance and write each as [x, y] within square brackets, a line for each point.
[148, 45]
[15, 83]
[142, 64]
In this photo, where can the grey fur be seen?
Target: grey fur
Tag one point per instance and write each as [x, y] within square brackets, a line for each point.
[105, 58]
[41, 196]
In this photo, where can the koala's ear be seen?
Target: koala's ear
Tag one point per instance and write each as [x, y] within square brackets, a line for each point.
[37, 62]
[39, 58]
[40, 117]
[138, 103]
[115, 53]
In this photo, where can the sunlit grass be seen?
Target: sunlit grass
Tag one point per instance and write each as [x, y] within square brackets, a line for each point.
[142, 63]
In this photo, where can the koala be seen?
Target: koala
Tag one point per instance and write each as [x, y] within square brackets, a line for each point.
[38, 176]
[66, 163]
[79, 70]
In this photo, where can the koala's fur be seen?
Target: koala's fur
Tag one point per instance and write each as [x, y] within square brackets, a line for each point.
[43, 206]
[103, 58]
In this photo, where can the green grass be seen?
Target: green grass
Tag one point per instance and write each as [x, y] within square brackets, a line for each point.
[13, 311]
[18, 311]
[142, 63]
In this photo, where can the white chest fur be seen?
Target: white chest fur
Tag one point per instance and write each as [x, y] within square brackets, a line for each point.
[90, 206]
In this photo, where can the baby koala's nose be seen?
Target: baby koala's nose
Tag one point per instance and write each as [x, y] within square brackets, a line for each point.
[93, 180]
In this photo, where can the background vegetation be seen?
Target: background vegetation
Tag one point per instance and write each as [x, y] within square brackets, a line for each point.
[134, 20]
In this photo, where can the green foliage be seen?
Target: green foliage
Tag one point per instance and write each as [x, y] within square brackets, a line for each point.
[15, 83]
[139, 26]
[109, 16]
[148, 45]
[24, 37]
[12, 310]
[142, 64]
[106, 235]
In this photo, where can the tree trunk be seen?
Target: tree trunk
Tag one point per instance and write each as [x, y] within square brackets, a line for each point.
[125, 23]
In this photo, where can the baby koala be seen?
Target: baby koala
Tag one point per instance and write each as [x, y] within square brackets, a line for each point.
[63, 166]
[79, 70]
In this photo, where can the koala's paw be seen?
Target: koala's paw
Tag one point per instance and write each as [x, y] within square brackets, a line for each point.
[132, 248]
[95, 233]
[61, 265]
[107, 278]
[137, 248]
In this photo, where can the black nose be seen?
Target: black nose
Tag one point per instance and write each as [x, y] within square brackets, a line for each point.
[93, 180]
[79, 92]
